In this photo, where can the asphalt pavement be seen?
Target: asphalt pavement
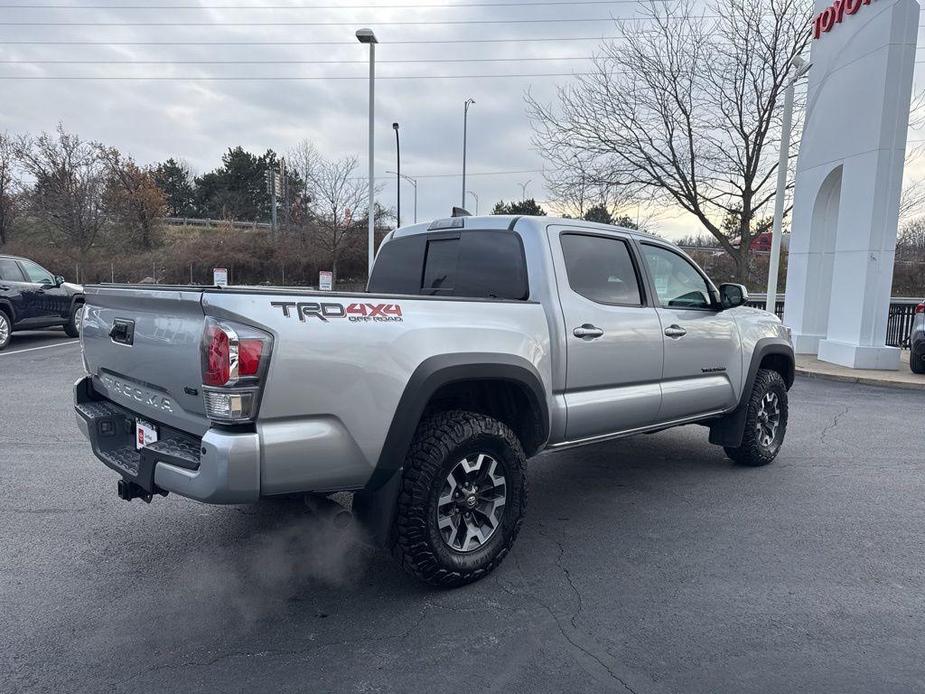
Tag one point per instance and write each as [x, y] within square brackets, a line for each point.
[645, 565]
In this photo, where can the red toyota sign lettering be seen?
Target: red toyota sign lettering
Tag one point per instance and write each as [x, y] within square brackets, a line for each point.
[833, 15]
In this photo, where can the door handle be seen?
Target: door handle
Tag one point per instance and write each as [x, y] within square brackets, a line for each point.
[588, 331]
[675, 332]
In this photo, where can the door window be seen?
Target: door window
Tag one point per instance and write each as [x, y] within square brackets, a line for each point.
[36, 273]
[677, 282]
[601, 269]
[9, 271]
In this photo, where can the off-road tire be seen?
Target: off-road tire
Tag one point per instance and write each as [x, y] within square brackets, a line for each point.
[7, 334]
[70, 328]
[440, 442]
[752, 452]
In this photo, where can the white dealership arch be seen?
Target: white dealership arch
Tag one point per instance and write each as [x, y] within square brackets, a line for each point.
[849, 181]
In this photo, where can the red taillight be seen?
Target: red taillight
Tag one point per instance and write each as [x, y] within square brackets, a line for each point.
[249, 351]
[216, 367]
[920, 308]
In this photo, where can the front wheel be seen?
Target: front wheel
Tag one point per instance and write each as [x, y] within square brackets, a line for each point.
[6, 330]
[765, 421]
[462, 501]
[72, 327]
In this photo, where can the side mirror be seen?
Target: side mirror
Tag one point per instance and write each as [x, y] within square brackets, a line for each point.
[732, 295]
[59, 280]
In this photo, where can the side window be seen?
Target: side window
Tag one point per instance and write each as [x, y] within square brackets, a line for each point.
[601, 269]
[677, 282]
[9, 271]
[36, 273]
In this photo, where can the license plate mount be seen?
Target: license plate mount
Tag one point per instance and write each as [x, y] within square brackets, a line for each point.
[145, 433]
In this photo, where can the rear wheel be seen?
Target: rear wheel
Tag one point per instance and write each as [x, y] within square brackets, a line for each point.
[765, 423]
[462, 500]
[72, 327]
[6, 330]
[917, 361]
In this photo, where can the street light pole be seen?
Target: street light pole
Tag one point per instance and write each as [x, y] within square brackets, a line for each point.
[414, 183]
[466, 106]
[367, 36]
[523, 188]
[397, 177]
[476, 202]
[802, 67]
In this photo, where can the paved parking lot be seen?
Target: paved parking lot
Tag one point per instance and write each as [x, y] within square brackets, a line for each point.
[646, 565]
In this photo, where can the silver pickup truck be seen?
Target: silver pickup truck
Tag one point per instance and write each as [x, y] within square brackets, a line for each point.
[480, 342]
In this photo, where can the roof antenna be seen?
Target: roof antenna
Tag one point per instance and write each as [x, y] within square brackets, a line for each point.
[461, 212]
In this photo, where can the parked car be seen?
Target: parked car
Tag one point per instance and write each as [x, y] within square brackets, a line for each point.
[917, 341]
[480, 342]
[31, 297]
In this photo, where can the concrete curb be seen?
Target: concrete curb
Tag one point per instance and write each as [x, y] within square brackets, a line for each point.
[863, 380]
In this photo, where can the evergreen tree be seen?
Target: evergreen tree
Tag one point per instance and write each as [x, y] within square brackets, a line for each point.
[525, 207]
[174, 179]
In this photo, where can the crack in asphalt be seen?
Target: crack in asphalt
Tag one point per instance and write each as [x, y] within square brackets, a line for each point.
[568, 577]
[510, 591]
[830, 427]
[315, 645]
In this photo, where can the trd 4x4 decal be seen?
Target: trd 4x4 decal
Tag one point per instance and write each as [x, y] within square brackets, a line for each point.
[355, 313]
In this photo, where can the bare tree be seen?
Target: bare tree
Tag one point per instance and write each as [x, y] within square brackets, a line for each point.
[686, 108]
[335, 199]
[8, 186]
[133, 199]
[70, 177]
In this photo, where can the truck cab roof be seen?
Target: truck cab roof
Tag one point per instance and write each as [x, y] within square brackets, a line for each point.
[523, 223]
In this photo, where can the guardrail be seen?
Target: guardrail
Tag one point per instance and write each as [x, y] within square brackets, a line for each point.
[195, 222]
[899, 320]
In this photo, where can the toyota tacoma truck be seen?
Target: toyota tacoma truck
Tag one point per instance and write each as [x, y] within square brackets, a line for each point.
[480, 342]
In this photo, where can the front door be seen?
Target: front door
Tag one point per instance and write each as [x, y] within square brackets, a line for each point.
[45, 302]
[703, 356]
[613, 334]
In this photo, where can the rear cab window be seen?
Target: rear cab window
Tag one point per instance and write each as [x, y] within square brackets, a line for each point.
[487, 264]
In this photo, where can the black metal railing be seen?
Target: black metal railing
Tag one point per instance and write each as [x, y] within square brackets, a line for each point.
[899, 322]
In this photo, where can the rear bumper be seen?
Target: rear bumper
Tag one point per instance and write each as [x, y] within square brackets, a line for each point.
[222, 467]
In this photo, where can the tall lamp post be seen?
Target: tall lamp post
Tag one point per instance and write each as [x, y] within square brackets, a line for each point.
[466, 106]
[476, 202]
[801, 67]
[367, 36]
[397, 177]
[414, 183]
[523, 188]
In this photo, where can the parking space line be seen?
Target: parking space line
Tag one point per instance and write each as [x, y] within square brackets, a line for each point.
[33, 349]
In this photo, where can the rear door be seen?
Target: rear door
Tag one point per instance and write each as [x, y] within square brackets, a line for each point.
[12, 286]
[613, 334]
[703, 355]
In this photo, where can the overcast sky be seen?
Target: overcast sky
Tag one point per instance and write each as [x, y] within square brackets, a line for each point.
[198, 120]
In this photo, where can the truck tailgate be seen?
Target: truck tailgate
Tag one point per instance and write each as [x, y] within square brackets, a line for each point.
[141, 345]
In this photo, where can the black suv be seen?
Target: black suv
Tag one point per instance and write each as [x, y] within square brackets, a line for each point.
[32, 297]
